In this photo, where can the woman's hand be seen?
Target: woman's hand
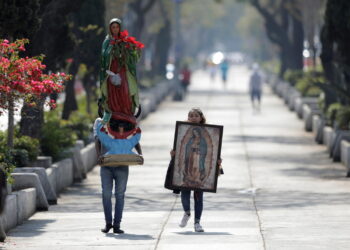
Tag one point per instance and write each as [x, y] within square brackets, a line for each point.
[219, 162]
[221, 171]
[172, 153]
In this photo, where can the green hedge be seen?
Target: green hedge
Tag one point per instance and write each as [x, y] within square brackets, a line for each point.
[56, 136]
[307, 84]
[293, 76]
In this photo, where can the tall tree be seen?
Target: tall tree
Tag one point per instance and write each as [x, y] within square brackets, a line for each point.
[252, 31]
[313, 14]
[140, 8]
[54, 39]
[335, 38]
[89, 31]
[22, 78]
[284, 28]
[18, 19]
[162, 43]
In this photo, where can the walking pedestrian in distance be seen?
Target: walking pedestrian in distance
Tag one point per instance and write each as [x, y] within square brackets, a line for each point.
[255, 87]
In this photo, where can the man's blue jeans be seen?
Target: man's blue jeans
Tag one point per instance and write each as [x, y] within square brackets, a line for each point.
[120, 176]
[198, 203]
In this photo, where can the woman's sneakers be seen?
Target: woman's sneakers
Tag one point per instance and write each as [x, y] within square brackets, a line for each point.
[198, 228]
[184, 220]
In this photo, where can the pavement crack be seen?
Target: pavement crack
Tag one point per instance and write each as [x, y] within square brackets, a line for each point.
[252, 188]
[165, 222]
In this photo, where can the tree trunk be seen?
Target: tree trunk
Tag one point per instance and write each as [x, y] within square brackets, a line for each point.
[88, 81]
[11, 124]
[286, 31]
[327, 55]
[163, 43]
[140, 11]
[297, 44]
[32, 119]
[283, 61]
[70, 102]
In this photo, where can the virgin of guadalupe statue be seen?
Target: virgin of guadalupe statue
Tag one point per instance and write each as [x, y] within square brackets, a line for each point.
[195, 153]
[118, 81]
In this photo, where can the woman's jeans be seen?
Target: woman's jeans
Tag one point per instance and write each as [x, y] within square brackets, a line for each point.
[120, 176]
[198, 203]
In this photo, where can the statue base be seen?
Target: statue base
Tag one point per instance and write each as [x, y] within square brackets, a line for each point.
[121, 160]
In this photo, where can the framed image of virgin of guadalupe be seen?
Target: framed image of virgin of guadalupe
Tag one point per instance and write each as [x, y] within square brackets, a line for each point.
[197, 150]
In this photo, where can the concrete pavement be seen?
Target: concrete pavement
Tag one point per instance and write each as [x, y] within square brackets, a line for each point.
[279, 190]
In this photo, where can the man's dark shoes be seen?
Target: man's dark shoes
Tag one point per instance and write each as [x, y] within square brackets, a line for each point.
[117, 230]
[107, 228]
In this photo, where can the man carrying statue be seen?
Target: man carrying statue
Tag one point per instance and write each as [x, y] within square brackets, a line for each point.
[116, 131]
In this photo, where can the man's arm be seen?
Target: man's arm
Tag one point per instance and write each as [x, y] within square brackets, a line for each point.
[98, 149]
[138, 148]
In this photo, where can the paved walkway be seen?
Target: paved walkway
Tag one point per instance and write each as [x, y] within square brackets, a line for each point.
[279, 191]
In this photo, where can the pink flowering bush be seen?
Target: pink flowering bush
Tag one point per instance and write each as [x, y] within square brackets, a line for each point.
[23, 78]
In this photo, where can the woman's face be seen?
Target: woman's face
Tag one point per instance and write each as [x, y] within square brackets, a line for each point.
[115, 28]
[195, 133]
[194, 117]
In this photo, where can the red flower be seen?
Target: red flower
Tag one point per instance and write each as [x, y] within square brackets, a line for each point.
[124, 37]
[131, 39]
[139, 45]
[124, 34]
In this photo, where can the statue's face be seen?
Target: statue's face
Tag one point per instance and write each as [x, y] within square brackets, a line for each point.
[115, 28]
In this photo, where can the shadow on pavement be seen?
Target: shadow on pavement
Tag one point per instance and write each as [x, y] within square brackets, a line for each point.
[293, 140]
[298, 199]
[36, 227]
[127, 236]
[204, 233]
[308, 171]
[223, 92]
[234, 199]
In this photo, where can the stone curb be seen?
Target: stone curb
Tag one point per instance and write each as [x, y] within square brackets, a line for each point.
[306, 108]
[339, 136]
[79, 168]
[308, 111]
[47, 187]
[31, 180]
[64, 174]
[19, 206]
[345, 155]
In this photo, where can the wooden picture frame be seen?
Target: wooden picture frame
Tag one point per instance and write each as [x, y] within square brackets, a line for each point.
[197, 150]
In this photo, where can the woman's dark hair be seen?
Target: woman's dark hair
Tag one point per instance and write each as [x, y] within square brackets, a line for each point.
[115, 124]
[199, 111]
